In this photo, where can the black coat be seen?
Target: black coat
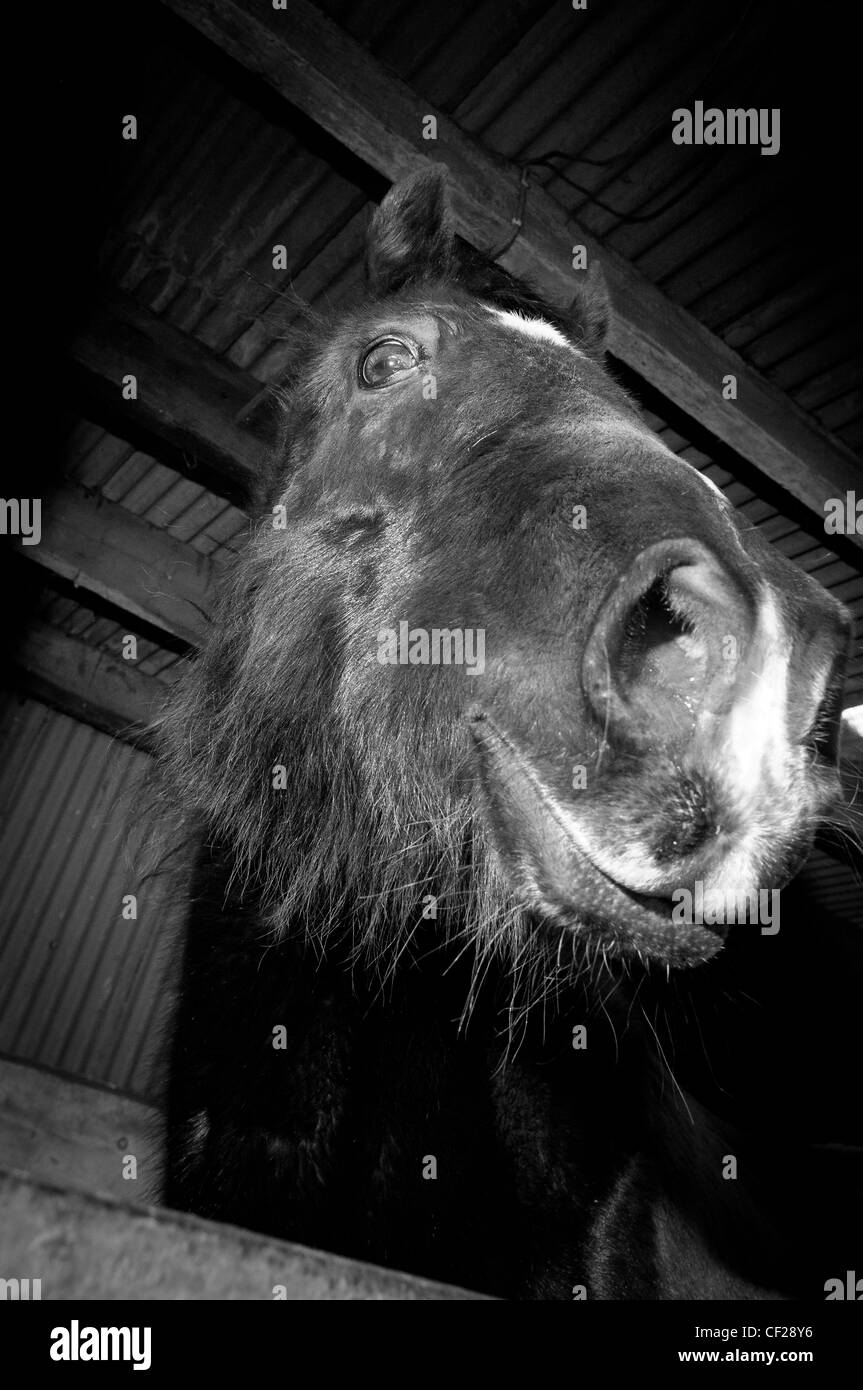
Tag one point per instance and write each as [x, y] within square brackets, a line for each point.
[520, 1164]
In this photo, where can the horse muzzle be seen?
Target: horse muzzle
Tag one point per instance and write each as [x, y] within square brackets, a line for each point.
[708, 777]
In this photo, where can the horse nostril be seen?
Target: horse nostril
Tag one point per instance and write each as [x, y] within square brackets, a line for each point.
[666, 645]
[656, 636]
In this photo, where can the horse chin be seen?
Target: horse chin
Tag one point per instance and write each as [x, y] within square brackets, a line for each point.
[558, 882]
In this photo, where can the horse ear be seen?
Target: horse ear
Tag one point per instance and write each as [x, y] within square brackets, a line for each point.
[591, 311]
[411, 236]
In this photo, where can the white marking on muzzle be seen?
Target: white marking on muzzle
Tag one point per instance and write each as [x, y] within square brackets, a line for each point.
[757, 749]
[755, 761]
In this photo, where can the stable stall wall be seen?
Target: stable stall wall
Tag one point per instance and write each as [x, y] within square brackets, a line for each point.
[84, 989]
[85, 995]
[85, 985]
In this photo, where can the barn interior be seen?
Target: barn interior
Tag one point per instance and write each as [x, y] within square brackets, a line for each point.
[184, 249]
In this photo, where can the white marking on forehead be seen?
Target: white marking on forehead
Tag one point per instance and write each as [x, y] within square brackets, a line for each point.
[538, 329]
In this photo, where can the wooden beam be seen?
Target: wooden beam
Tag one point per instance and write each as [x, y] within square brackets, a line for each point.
[110, 552]
[70, 1131]
[88, 683]
[319, 69]
[189, 400]
[84, 1247]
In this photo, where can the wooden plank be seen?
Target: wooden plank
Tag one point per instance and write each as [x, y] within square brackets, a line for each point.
[85, 1247]
[319, 69]
[188, 399]
[109, 551]
[69, 1131]
[88, 683]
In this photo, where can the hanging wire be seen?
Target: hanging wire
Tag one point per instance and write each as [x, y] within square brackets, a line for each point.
[518, 220]
[546, 160]
[660, 125]
[700, 173]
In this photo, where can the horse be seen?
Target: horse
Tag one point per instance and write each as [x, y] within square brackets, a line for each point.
[501, 711]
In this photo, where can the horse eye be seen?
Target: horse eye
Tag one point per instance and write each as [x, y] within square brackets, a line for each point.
[386, 361]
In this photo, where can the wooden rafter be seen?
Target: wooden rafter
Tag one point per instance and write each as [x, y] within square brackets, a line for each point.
[318, 68]
[91, 685]
[106, 550]
[188, 400]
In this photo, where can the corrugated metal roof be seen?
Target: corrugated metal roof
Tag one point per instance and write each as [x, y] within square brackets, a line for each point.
[601, 86]
[217, 183]
[81, 989]
[204, 210]
[101, 462]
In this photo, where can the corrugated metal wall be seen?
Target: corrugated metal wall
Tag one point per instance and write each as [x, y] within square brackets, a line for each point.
[81, 988]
